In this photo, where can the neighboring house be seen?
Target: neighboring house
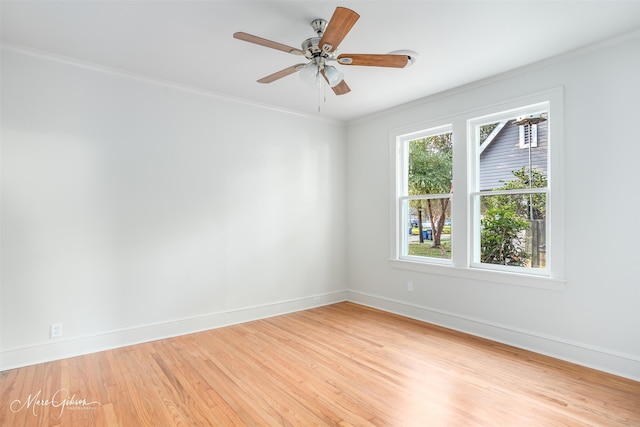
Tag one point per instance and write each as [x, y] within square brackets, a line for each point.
[507, 149]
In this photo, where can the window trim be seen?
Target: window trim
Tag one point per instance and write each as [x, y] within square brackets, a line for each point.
[465, 169]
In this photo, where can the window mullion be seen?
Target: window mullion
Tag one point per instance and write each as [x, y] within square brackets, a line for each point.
[460, 221]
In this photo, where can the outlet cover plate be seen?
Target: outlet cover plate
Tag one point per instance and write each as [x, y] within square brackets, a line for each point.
[55, 330]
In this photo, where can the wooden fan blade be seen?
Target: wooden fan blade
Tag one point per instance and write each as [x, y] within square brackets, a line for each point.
[396, 61]
[337, 28]
[267, 43]
[339, 89]
[282, 73]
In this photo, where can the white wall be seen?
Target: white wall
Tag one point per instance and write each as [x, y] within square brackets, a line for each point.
[134, 210]
[596, 320]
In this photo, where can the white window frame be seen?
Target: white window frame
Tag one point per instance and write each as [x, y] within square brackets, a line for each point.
[465, 174]
[403, 197]
[475, 193]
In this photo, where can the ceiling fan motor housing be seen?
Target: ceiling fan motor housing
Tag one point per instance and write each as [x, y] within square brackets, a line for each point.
[314, 53]
[311, 48]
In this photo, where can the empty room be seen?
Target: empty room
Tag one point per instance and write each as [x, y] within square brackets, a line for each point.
[358, 213]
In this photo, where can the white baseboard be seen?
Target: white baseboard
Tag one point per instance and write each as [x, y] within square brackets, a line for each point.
[624, 365]
[621, 364]
[76, 346]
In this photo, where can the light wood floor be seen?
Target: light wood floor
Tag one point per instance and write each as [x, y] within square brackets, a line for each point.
[342, 364]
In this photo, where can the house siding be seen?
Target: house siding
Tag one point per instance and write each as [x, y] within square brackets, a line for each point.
[504, 155]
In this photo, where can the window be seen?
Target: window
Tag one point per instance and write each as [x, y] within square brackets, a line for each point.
[425, 199]
[510, 194]
[476, 195]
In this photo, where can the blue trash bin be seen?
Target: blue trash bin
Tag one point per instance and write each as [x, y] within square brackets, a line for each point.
[426, 234]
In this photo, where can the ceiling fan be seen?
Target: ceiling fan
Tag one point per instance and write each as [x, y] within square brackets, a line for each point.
[321, 49]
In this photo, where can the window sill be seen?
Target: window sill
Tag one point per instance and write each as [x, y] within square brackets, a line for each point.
[505, 278]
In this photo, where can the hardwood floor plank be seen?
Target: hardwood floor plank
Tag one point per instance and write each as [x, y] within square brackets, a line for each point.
[119, 390]
[343, 364]
[258, 372]
[300, 381]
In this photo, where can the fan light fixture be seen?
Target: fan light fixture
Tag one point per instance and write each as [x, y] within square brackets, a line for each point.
[309, 73]
[334, 77]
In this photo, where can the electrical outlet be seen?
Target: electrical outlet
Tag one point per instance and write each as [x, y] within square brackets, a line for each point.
[410, 286]
[55, 330]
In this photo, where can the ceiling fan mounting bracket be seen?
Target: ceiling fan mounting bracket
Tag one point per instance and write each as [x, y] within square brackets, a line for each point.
[319, 26]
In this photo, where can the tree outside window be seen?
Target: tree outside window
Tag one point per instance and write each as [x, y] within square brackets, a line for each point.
[429, 168]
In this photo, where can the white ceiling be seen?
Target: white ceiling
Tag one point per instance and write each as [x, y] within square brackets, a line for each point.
[191, 43]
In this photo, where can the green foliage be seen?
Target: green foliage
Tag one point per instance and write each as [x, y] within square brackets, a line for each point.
[429, 172]
[485, 131]
[520, 203]
[430, 165]
[507, 217]
[502, 240]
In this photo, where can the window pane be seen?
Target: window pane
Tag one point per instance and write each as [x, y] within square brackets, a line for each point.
[429, 174]
[514, 154]
[429, 228]
[513, 230]
[430, 165]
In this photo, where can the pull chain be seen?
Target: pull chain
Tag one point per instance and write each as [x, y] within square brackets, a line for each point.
[322, 92]
[320, 95]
